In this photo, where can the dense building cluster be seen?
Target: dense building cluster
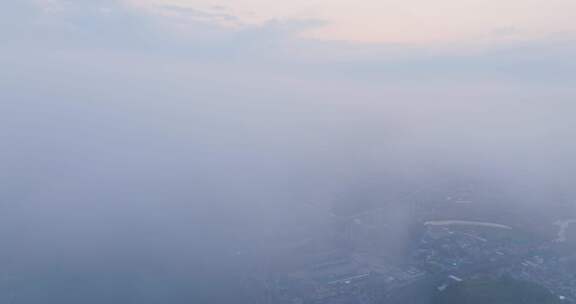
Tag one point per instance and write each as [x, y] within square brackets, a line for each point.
[352, 264]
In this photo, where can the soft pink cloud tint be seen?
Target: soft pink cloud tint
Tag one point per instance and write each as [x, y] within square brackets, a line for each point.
[406, 21]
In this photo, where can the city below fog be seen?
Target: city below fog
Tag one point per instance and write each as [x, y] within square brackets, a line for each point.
[449, 235]
[287, 152]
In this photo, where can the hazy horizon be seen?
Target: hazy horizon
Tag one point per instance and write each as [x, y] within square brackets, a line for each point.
[147, 145]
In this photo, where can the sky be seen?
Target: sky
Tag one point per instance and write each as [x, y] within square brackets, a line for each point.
[150, 144]
[412, 22]
[476, 37]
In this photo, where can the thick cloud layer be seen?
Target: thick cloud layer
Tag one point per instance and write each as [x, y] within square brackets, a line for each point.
[138, 161]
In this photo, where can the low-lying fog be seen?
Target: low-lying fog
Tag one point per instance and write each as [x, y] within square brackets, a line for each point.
[130, 178]
[118, 185]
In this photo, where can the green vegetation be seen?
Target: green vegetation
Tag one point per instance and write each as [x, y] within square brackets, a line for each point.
[503, 291]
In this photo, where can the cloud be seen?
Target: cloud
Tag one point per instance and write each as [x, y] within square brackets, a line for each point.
[151, 143]
[61, 24]
[116, 26]
[214, 16]
[216, 35]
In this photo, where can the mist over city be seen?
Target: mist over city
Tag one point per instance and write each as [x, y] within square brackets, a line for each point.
[244, 152]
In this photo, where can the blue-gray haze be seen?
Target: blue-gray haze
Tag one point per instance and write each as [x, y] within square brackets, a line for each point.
[142, 167]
